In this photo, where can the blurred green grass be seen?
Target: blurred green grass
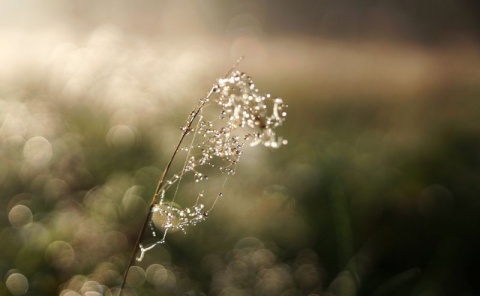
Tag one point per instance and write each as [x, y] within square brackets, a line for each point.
[379, 178]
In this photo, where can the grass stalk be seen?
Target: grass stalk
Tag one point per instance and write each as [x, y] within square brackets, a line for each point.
[161, 182]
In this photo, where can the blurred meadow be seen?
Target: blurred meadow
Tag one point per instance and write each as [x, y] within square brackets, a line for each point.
[376, 193]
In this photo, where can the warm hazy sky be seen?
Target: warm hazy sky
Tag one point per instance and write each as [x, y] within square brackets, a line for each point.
[424, 21]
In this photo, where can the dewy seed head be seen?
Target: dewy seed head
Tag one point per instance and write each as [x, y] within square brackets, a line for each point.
[234, 113]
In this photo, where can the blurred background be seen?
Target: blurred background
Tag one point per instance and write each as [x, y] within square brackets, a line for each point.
[377, 192]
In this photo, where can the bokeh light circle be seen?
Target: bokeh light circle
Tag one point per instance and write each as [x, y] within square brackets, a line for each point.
[37, 151]
[60, 254]
[20, 216]
[92, 288]
[156, 274]
[17, 284]
[136, 276]
[121, 136]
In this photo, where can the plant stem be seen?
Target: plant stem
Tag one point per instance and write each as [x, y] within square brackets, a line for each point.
[161, 182]
[159, 188]
[135, 248]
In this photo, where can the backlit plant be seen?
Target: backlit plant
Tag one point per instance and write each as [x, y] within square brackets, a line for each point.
[233, 113]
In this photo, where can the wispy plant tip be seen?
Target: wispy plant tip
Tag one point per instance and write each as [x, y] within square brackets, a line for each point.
[232, 114]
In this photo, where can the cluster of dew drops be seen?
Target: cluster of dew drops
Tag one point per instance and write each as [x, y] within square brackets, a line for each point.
[242, 115]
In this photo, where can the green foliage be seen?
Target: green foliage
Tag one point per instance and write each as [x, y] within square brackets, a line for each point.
[381, 192]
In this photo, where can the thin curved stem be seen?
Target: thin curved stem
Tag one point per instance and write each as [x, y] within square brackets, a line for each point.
[159, 188]
[161, 182]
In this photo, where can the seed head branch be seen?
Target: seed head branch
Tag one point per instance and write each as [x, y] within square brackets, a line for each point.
[216, 146]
